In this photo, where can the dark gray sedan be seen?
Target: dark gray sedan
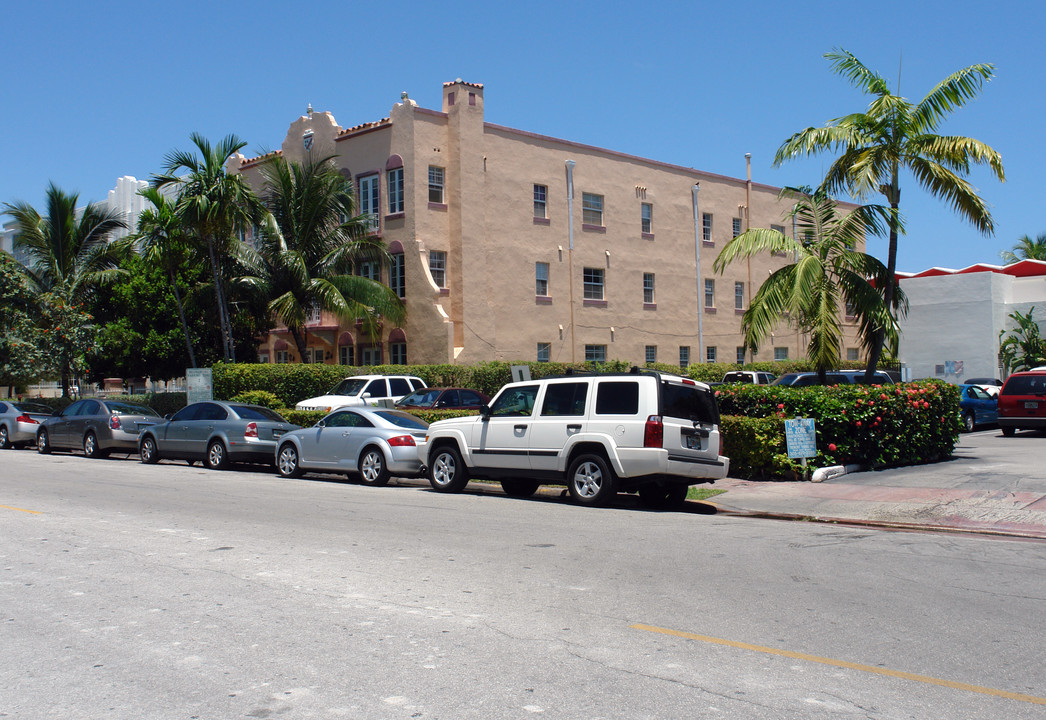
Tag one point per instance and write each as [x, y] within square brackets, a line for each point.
[98, 427]
[218, 433]
[373, 442]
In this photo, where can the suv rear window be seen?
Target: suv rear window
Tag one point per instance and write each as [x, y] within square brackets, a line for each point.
[1025, 385]
[564, 399]
[617, 398]
[689, 403]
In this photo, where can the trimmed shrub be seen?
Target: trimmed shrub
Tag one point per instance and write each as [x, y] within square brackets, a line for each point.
[756, 447]
[259, 397]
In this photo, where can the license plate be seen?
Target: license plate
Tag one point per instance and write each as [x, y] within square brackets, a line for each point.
[693, 441]
[1031, 404]
[277, 433]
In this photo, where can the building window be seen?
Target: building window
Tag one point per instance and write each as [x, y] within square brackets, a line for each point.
[317, 355]
[544, 352]
[651, 353]
[739, 296]
[778, 229]
[312, 316]
[595, 353]
[646, 217]
[398, 275]
[706, 227]
[710, 354]
[345, 355]
[369, 206]
[395, 178]
[741, 354]
[592, 209]
[851, 310]
[541, 279]
[593, 283]
[436, 180]
[684, 356]
[541, 201]
[438, 267]
[709, 293]
[737, 226]
[398, 353]
[648, 288]
[853, 354]
[369, 269]
[780, 353]
[281, 356]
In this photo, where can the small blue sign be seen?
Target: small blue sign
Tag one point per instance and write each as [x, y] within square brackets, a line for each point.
[801, 438]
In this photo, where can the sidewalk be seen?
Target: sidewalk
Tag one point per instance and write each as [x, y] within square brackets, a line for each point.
[995, 485]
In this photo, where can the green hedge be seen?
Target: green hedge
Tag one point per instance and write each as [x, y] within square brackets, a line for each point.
[875, 426]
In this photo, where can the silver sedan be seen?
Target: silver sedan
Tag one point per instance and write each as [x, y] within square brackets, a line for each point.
[19, 422]
[374, 442]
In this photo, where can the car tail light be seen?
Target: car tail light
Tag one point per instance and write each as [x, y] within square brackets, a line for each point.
[26, 419]
[688, 381]
[654, 432]
[251, 431]
[402, 441]
[114, 422]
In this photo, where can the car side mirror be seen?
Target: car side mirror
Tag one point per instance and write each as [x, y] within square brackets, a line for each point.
[167, 416]
[484, 410]
[321, 423]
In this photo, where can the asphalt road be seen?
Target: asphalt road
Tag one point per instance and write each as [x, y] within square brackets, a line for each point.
[130, 591]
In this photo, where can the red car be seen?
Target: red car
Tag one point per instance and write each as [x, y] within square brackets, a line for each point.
[443, 399]
[1022, 402]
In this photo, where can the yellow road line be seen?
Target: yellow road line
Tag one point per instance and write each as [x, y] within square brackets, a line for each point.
[844, 664]
[31, 512]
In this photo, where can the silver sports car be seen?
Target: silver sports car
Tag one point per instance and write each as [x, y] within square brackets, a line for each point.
[374, 442]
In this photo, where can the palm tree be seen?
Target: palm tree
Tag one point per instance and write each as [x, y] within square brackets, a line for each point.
[212, 205]
[892, 135]
[310, 240]
[163, 243]
[69, 253]
[1026, 249]
[827, 275]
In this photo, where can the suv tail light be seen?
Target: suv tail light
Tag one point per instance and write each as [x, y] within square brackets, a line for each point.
[114, 422]
[24, 418]
[654, 432]
[251, 431]
[402, 441]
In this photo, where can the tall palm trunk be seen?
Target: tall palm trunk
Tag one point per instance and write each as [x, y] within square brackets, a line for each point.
[181, 316]
[893, 193]
[300, 341]
[228, 351]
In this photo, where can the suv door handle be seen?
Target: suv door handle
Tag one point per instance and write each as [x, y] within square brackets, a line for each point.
[520, 427]
[573, 428]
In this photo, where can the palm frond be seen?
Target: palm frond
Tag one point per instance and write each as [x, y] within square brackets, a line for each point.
[951, 93]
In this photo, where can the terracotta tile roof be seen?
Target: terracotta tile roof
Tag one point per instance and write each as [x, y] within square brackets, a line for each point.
[363, 126]
[250, 162]
[462, 82]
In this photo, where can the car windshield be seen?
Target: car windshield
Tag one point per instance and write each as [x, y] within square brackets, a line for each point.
[786, 379]
[252, 412]
[421, 398]
[737, 377]
[349, 386]
[402, 419]
[34, 408]
[688, 402]
[127, 409]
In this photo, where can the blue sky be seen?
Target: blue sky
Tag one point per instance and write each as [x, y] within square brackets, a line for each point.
[94, 91]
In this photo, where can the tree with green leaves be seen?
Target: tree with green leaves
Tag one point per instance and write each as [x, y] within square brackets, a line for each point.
[70, 256]
[213, 205]
[1026, 249]
[828, 275]
[21, 353]
[311, 240]
[1023, 347]
[894, 135]
[163, 243]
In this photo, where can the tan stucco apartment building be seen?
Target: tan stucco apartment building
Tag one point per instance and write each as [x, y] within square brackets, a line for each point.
[497, 260]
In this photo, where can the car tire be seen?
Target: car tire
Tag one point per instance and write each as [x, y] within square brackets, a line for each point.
[1008, 430]
[147, 451]
[520, 487]
[43, 443]
[5, 439]
[659, 497]
[287, 461]
[374, 470]
[968, 421]
[591, 481]
[447, 471]
[91, 447]
[217, 456]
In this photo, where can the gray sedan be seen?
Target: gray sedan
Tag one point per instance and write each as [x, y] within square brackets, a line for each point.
[218, 433]
[19, 422]
[98, 427]
[374, 442]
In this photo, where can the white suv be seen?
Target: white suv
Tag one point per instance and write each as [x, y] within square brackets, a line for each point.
[364, 390]
[641, 431]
